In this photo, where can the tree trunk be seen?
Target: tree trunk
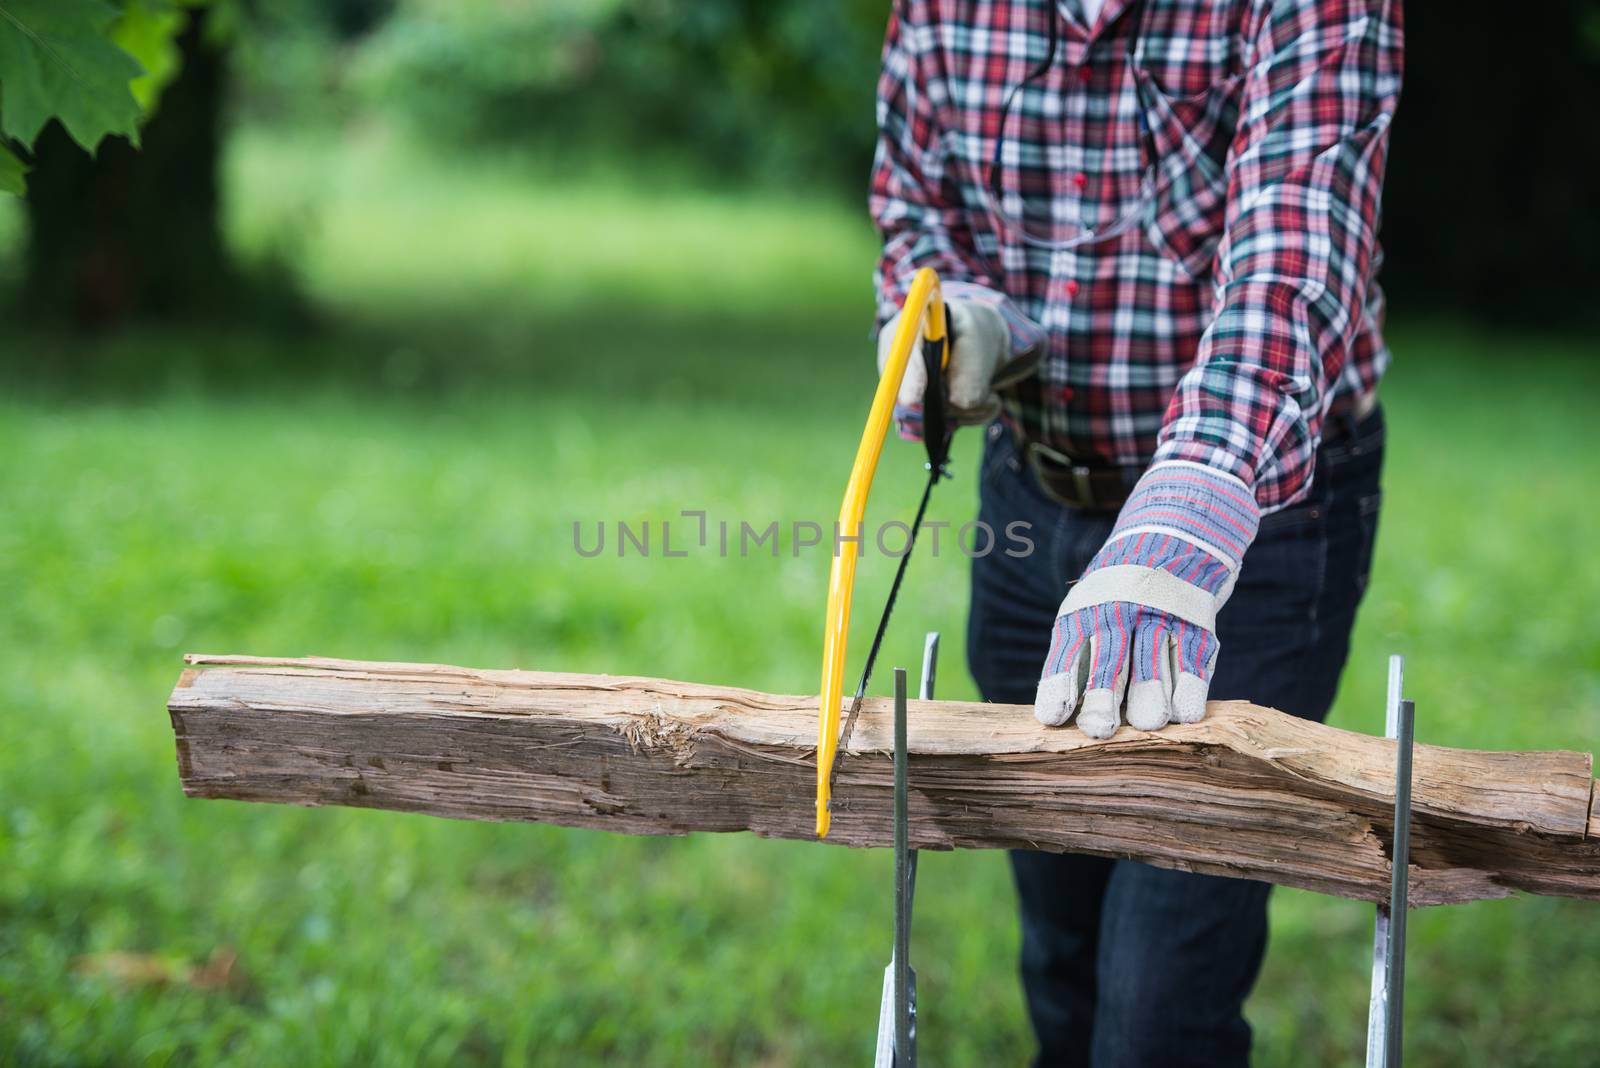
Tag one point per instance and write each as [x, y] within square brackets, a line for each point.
[135, 233]
[1247, 792]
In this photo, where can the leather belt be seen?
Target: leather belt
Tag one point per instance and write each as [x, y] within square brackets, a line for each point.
[1102, 487]
[1068, 481]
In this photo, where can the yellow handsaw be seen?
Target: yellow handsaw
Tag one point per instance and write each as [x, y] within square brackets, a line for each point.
[922, 318]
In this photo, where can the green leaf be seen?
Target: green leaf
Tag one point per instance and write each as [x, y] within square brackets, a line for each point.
[13, 173]
[56, 61]
[148, 31]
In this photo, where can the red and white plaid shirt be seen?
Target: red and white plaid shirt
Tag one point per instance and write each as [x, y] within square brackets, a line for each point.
[1237, 305]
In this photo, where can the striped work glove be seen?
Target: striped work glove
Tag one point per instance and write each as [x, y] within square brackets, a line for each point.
[1146, 608]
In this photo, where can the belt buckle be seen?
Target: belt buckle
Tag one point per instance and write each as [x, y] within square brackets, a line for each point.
[1038, 452]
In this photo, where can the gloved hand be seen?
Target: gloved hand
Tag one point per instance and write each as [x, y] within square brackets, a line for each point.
[1146, 607]
[980, 362]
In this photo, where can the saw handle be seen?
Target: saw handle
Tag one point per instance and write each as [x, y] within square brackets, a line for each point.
[922, 317]
[936, 428]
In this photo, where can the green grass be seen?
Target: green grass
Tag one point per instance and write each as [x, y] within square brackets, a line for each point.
[504, 370]
[380, 224]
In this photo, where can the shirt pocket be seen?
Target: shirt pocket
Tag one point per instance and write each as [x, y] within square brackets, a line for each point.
[1190, 135]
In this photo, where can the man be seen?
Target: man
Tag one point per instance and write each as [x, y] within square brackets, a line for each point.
[1171, 207]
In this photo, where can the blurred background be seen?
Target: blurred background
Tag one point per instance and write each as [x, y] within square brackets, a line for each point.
[397, 290]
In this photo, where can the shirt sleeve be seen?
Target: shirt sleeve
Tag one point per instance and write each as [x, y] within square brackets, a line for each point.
[1299, 247]
[917, 210]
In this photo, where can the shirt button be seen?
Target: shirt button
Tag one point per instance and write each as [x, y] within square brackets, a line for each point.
[1080, 179]
[1072, 287]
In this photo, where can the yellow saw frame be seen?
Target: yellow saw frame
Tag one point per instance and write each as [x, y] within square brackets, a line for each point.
[922, 317]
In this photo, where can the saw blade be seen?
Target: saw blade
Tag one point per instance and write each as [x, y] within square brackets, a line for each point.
[934, 475]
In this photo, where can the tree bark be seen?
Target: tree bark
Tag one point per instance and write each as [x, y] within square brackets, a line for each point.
[1247, 792]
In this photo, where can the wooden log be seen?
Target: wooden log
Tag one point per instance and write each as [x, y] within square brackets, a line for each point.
[1248, 792]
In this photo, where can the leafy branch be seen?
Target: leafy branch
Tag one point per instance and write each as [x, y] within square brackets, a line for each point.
[97, 68]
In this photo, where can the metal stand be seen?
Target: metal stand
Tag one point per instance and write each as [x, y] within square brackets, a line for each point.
[1385, 1009]
[897, 1011]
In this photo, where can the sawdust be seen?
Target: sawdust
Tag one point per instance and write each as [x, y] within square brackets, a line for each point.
[656, 730]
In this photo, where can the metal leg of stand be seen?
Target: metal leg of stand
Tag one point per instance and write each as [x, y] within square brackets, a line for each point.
[1385, 1010]
[897, 1012]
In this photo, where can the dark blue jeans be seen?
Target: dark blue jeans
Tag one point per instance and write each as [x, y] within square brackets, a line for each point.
[1123, 964]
